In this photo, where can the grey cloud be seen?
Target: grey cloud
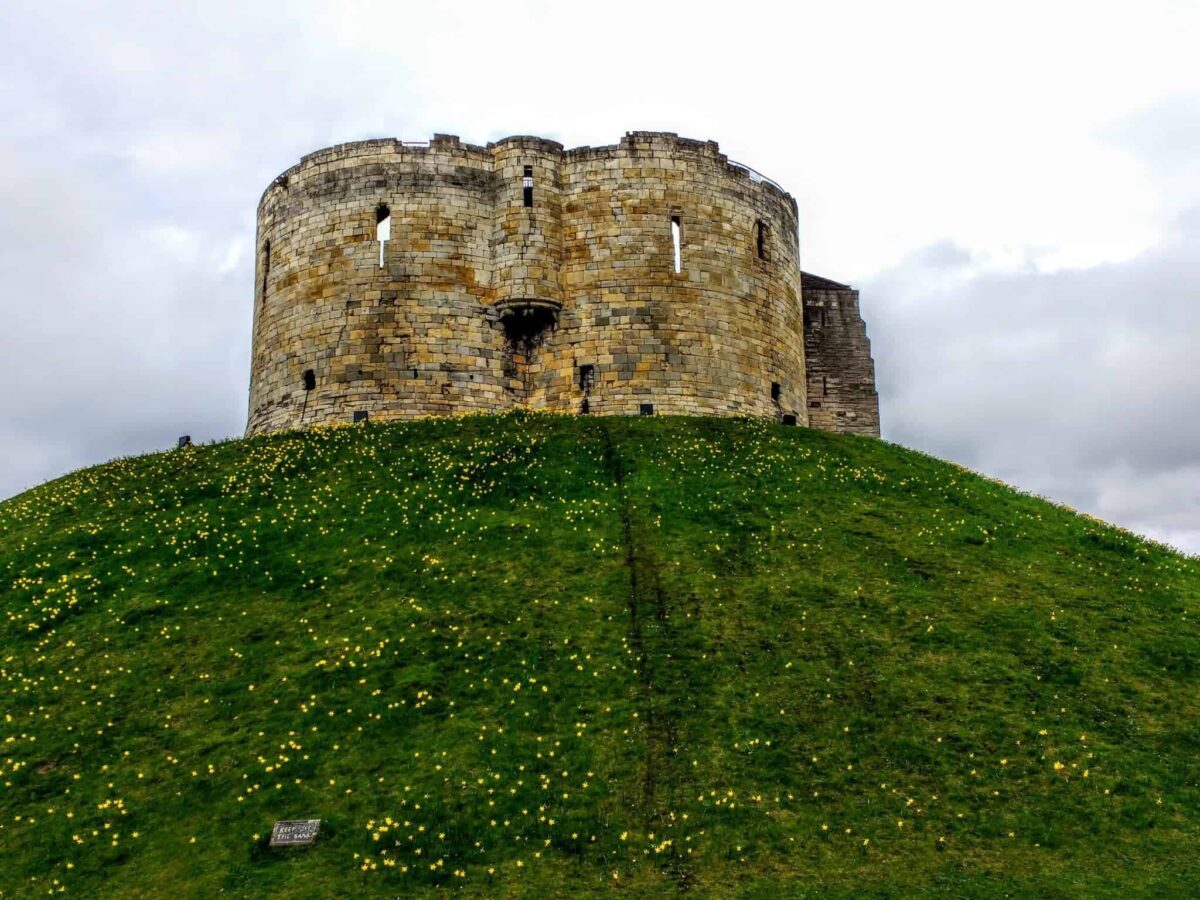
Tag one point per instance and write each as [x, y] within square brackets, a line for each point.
[1079, 384]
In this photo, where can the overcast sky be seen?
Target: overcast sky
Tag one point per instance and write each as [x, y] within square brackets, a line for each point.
[1015, 188]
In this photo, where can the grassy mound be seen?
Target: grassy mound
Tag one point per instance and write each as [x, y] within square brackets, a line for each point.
[532, 654]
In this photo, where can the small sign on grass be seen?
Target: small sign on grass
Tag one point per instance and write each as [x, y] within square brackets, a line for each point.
[296, 833]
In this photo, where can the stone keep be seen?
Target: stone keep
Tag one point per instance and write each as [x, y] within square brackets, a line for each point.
[400, 280]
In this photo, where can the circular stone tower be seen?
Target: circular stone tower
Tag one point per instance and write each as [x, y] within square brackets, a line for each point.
[398, 280]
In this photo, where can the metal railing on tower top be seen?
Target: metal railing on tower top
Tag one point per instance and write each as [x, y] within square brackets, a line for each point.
[756, 176]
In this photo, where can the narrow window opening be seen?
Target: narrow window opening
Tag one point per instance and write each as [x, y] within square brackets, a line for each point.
[824, 386]
[310, 379]
[675, 236]
[776, 390]
[383, 228]
[585, 408]
[527, 185]
[587, 377]
[266, 269]
[761, 238]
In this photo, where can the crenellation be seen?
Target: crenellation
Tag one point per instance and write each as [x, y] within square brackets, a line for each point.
[510, 266]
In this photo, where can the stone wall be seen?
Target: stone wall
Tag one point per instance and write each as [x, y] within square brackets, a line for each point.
[410, 336]
[483, 303]
[841, 373]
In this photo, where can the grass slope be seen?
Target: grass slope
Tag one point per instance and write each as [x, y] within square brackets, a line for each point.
[528, 654]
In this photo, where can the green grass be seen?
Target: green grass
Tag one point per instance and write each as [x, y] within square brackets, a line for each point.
[527, 655]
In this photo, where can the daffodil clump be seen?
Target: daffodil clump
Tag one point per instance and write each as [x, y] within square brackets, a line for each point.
[530, 653]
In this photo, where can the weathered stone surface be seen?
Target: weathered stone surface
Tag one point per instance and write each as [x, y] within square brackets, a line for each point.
[486, 304]
[841, 373]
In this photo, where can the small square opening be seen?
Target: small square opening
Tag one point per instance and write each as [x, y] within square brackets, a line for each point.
[647, 409]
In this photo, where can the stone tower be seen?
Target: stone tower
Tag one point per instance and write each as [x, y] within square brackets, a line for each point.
[401, 279]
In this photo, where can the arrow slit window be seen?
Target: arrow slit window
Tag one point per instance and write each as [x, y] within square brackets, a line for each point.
[676, 235]
[266, 269]
[383, 228]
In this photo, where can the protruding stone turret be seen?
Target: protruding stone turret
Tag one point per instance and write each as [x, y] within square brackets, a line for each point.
[527, 248]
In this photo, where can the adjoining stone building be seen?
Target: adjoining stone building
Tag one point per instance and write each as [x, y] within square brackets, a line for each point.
[840, 373]
[654, 276]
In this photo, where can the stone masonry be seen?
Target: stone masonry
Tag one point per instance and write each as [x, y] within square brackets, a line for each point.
[837, 356]
[523, 275]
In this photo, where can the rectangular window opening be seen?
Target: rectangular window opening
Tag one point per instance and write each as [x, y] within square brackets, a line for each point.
[266, 269]
[675, 238]
[776, 390]
[383, 228]
[310, 379]
[587, 377]
[761, 238]
[527, 185]
[824, 386]
[647, 409]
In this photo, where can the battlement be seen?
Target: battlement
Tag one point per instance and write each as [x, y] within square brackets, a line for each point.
[401, 278]
[637, 142]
